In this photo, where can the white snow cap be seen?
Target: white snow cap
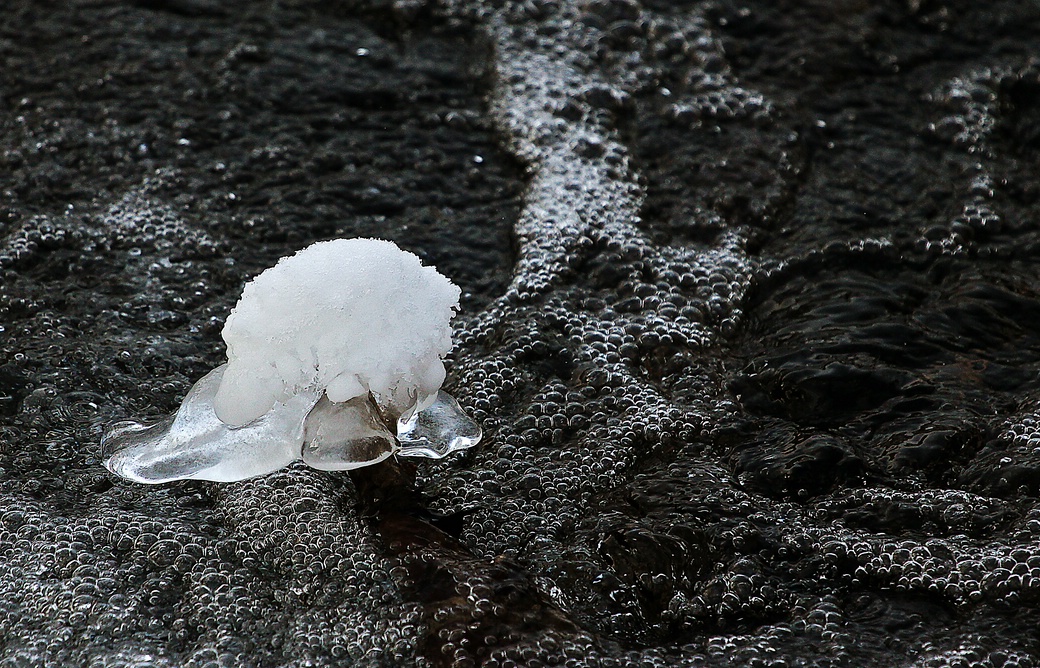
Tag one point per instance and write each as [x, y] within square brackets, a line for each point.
[349, 316]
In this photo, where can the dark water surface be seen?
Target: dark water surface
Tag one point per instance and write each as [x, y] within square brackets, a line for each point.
[751, 318]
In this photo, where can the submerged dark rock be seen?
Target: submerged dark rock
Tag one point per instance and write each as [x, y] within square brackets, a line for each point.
[750, 322]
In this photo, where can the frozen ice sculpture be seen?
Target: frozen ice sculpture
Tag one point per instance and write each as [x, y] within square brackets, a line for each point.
[334, 357]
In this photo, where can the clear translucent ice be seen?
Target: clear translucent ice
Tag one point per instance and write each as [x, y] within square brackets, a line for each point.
[334, 357]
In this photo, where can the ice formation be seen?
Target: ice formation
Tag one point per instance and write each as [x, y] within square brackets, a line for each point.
[334, 357]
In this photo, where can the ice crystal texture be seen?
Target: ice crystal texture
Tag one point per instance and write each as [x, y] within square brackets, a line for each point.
[351, 316]
[331, 353]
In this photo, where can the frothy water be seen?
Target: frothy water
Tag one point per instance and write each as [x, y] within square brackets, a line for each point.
[749, 322]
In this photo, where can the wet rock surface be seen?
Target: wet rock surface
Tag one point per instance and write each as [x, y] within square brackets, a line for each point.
[750, 321]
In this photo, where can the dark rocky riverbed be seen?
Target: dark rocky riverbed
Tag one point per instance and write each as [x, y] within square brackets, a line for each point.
[751, 319]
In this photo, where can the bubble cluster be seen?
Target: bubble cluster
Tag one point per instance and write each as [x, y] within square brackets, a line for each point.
[139, 222]
[985, 111]
[37, 234]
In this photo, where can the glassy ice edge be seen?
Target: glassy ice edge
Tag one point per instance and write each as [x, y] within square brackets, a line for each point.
[195, 445]
[437, 430]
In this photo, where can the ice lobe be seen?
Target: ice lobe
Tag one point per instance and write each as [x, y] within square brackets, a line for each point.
[351, 316]
[197, 445]
[334, 357]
